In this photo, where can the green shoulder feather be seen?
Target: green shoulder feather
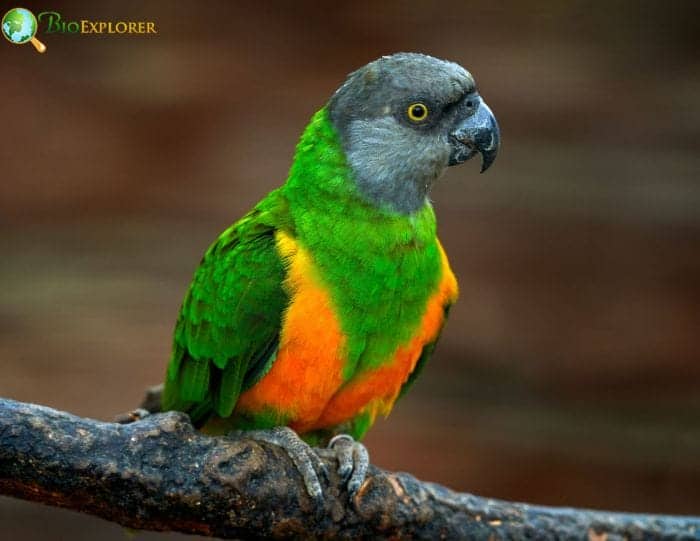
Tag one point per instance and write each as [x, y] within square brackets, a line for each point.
[227, 331]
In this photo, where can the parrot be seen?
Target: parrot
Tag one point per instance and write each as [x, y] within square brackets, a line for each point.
[311, 315]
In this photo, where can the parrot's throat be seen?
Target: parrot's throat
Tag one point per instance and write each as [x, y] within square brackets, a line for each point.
[368, 161]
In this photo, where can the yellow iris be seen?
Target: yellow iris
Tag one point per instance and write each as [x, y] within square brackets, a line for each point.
[417, 112]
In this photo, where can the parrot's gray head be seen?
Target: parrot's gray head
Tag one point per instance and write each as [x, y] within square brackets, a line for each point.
[403, 119]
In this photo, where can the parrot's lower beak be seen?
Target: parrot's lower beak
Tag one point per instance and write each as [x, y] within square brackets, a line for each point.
[477, 133]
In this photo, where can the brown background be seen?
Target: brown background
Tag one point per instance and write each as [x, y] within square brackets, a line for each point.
[569, 372]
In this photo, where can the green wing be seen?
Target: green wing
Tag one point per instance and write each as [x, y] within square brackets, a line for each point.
[424, 356]
[227, 331]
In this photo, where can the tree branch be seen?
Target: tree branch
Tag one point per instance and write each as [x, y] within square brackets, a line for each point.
[160, 474]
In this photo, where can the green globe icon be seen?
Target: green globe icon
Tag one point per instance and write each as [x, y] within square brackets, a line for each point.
[19, 26]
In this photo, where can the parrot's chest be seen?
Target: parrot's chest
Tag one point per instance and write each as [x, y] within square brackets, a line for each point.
[326, 371]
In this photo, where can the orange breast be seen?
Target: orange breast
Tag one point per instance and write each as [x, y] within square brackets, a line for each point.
[305, 382]
[375, 391]
[308, 368]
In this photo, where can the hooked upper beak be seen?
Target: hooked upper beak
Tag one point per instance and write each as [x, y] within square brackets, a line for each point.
[478, 132]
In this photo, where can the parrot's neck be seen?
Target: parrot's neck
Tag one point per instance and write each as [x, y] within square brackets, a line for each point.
[381, 266]
[321, 181]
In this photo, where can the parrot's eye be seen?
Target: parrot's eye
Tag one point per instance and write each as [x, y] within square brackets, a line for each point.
[417, 112]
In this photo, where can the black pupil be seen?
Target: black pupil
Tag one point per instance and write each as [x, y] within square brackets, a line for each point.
[418, 111]
[469, 103]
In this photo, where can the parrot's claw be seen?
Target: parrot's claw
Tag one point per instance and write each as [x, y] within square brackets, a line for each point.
[352, 456]
[353, 461]
[307, 462]
[132, 416]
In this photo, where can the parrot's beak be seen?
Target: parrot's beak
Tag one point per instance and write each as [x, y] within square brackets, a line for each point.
[478, 132]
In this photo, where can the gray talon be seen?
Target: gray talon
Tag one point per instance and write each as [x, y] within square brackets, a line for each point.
[306, 461]
[353, 461]
[342, 446]
[132, 416]
[359, 472]
[345, 470]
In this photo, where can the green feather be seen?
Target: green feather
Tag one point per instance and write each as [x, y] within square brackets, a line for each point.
[229, 388]
[424, 356]
[380, 266]
[194, 380]
[231, 314]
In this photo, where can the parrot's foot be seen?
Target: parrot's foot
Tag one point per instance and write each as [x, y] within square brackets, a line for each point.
[307, 462]
[132, 416]
[353, 461]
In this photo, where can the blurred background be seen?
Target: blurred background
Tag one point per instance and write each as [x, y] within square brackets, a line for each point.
[569, 372]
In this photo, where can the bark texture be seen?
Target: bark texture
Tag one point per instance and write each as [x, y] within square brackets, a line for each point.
[159, 473]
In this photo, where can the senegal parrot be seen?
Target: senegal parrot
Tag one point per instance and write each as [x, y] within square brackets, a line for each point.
[314, 312]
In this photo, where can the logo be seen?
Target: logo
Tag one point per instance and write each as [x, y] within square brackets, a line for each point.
[19, 26]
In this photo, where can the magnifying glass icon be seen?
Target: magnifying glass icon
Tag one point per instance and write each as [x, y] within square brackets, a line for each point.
[19, 26]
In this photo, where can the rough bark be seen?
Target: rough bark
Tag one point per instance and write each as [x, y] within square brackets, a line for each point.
[160, 474]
